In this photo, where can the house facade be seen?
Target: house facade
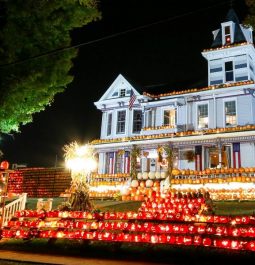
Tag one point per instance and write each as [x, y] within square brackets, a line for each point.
[209, 127]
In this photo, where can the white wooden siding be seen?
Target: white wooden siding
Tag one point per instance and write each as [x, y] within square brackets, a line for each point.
[247, 154]
[243, 109]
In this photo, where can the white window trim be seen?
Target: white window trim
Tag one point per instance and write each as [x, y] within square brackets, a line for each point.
[224, 70]
[120, 92]
[132, 119]
[231, 25]
[106, 128]
[169, 108]
[224, 114]
[121, 133]
[196, 114]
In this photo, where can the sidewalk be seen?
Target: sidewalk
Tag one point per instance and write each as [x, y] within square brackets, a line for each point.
[63, 260]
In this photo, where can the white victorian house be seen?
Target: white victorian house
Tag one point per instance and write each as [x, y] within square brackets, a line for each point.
[207, 127]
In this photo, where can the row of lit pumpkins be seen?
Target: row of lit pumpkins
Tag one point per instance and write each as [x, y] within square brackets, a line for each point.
[192, 90]
[148, 183]
[152, 175]
[117, 175]
[106, 183]
[178, 134]
[213, 180]
[208, 171]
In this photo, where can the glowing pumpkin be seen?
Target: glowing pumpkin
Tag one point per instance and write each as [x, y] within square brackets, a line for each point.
[134, 183]
[145, 175]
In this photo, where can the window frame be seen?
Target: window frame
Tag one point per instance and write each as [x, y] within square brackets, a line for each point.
[133, 116]
[117, 121]
[121, 95]
[163, 116]
[226, 35]
[224, 112]
[197, 113]
[229, 71]
[107, 125]
[224, 25]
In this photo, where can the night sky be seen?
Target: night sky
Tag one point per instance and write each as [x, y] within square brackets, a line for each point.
[165, 55]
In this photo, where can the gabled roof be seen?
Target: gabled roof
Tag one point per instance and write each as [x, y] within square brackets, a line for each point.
[238, 34]
[119, 83]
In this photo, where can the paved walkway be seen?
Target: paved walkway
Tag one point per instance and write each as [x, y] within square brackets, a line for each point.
[63, 260]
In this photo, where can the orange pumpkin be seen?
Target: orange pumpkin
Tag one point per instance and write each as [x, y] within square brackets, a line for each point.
[175, 172]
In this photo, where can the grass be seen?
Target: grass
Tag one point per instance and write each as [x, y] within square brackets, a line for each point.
[235, 207]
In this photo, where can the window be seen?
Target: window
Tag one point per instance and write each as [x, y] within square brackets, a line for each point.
[121, 120]
[230, 113]
[122, 93]
[109, 124]
[137, 121]
[229, 73]
[170, 117]
[150, 118]
[227, 35]
[202, 117]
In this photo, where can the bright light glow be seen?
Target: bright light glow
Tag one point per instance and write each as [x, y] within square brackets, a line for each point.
[80, 159]
[82, 150]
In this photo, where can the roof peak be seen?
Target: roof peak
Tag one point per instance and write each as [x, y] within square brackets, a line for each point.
[232, 16]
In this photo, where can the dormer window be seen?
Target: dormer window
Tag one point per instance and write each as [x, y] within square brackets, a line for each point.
[227, 29]
[122, 93]
[227, 35]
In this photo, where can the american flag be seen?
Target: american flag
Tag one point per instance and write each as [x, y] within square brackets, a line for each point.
[132, 99]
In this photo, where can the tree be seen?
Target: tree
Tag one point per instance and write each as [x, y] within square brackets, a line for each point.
[32, 28]
[250, 18]
[135, 154]
[169, 157]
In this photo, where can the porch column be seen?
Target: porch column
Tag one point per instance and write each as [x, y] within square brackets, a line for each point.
[219, 146]
[101, 163]
[127, 162]
[236, 155]
[198, 157]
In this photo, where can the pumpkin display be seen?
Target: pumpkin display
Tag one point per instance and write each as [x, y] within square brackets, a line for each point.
[149, 183]
[134, 183]
[139, 175]
[163, 175]
[145, 175]
[157, 175]
[175, 172]
[151, 175]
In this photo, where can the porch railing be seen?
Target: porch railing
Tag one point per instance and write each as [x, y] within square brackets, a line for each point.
[9, 209]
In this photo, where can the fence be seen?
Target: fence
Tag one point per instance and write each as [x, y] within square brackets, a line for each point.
[9, 209]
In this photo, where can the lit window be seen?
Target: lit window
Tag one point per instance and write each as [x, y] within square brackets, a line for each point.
[122, 93]
[202, 117]
[229, 72]
[227, 35]
[230, 113]
[170, 117]
[109, 124]
[121, 120]
[137, 121]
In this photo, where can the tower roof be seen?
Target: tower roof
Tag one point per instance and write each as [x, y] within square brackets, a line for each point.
[238, 33]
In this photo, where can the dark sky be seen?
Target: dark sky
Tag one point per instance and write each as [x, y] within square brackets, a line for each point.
[167, 53]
